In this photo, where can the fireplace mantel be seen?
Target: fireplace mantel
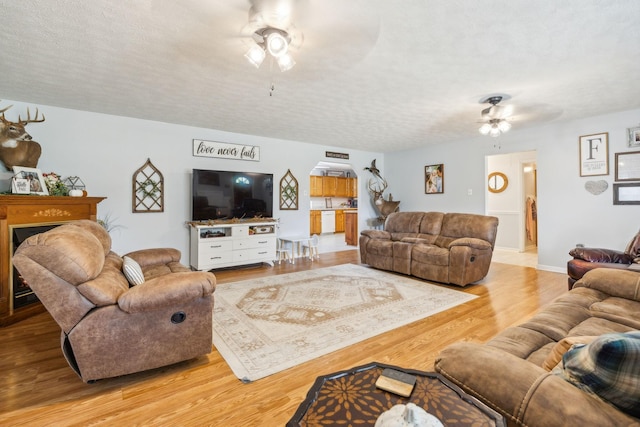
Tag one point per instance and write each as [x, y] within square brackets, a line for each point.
[31, 211]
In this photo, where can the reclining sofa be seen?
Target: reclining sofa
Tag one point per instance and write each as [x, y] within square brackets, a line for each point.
[154, 313]
[453, 248]
[576, 362]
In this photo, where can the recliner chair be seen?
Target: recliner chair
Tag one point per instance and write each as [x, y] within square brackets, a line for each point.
[586, 259]
[109, 327]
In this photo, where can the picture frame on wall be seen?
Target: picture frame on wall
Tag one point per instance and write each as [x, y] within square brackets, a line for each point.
[34, 178]
[634, 136]
[628, 166]
[626, 194]
[594, 154]
[434, 179]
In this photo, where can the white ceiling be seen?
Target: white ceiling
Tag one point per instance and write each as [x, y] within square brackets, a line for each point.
[375, 75]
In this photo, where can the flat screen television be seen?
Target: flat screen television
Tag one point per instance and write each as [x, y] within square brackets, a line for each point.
[227, 195]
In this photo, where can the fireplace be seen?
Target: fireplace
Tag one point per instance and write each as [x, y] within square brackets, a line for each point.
[22, 295]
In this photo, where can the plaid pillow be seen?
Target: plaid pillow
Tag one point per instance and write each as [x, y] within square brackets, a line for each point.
[608, 367]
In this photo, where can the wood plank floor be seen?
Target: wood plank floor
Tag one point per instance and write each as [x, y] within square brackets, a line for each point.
[37, 387]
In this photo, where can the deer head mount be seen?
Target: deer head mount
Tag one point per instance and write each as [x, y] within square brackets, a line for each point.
[17, 148]
[377, 186]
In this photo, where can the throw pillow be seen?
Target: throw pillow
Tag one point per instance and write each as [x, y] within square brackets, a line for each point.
[132, 271]
[608, 367]
[561, 347]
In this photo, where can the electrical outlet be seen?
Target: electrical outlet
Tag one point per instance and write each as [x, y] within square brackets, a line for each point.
[469, 192]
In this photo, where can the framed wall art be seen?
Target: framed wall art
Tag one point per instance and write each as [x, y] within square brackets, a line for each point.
[434, 179]
[628, 166]
[626, 194]
[634, 136]
[34, 178]
[594, 154]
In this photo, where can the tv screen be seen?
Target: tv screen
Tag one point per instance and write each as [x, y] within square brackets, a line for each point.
[226, 195]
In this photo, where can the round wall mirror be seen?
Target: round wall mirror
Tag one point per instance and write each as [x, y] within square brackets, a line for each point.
[497, 182]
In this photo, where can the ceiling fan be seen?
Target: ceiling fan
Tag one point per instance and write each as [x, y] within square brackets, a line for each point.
[270, 30]
[495, 119]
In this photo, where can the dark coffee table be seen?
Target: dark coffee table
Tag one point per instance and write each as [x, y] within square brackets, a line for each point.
[352, 396]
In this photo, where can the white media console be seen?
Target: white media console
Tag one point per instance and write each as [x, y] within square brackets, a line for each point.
[220, 245]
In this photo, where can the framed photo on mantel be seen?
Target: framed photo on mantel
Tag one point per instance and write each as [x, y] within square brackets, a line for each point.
[594, 154]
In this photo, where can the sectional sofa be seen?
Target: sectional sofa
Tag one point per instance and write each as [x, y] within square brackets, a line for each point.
[576, 362]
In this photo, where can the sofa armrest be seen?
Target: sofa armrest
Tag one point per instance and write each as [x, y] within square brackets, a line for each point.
[601, 255]
[521, 391]
[472, 242]
[168, 290]
[376, 234]
[155, 256]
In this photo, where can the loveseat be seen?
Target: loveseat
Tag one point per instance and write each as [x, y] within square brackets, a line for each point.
[158, 313]
[451, 248]
[523, 372]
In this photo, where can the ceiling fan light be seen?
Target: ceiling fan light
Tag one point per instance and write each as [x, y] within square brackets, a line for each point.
[495, 131]
[504, 126]
[255, 55]
[485, 128]
[286, 62]
[277, 45]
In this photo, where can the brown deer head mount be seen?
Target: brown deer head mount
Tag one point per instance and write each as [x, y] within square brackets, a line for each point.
[16, 146]
[377, 186]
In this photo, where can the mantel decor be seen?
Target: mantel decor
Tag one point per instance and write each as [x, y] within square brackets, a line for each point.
[594, 154]
[35, 180]
[148, 189]
[289, 192]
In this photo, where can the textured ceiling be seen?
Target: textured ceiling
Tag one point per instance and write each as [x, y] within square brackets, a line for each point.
[371, 74]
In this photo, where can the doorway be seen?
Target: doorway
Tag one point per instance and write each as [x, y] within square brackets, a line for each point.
[516, 207]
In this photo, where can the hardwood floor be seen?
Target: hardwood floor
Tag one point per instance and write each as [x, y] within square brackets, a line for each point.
[37, 387]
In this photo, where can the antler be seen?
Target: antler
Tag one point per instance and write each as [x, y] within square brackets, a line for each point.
[5, 108]
[378, 190]
[29, 120]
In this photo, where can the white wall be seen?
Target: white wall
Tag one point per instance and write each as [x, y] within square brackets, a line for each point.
[105, 151]
[567, 213]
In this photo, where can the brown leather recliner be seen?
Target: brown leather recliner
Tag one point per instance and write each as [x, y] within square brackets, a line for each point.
[586, 259]
[110, 328]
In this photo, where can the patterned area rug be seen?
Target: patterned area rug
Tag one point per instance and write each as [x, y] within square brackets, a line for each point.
[264, 326]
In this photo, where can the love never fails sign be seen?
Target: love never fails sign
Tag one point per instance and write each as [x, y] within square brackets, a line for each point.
[223, 150]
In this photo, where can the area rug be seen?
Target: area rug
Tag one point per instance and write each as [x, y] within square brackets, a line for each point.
[263, 326]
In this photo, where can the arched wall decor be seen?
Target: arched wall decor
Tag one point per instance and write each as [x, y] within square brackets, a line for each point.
[148, 189]
[288, 192]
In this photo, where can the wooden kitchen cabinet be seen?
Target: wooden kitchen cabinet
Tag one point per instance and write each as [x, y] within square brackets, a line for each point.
[342, 187]
[351, 228]
[315, 189]
[352, 187]
[315, 222]
[339, 221]
[329, 184]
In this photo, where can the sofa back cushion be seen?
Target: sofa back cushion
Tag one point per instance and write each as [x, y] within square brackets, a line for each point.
[403, 224]
[430, 226]
[457, 225]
